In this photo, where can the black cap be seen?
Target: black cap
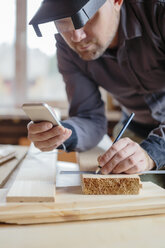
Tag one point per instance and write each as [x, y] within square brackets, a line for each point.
[80, 12]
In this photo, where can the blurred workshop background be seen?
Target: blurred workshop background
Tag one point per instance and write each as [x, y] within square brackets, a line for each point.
[29, 73]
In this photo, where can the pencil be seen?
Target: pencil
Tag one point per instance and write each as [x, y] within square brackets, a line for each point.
[119, 135]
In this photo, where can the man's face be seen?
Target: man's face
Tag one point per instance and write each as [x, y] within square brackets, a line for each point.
[97, 35]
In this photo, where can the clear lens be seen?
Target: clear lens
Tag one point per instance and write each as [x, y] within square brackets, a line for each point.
[48, 29]
[64, 25]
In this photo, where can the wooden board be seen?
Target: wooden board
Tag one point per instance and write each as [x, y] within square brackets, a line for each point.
[72, 205]
[7, 158]
[35, 181]
[133, 232]
[7, 168]
[88, 160]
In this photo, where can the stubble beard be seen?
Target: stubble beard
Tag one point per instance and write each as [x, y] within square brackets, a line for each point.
[96, 52]
[92, 54]
[97, 48]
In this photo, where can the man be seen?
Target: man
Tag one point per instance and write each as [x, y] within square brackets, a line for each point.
[121, 48]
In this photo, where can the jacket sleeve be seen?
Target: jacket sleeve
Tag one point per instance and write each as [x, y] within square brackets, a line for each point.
[161, 19]
[155, 143]
[86, 108]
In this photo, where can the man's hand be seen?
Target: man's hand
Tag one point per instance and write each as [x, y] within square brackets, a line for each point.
[125, 156]
[46, 137]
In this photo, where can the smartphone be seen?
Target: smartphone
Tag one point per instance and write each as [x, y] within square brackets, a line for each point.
[38, 112]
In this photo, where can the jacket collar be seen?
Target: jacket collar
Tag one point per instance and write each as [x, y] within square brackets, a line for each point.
[129, 27]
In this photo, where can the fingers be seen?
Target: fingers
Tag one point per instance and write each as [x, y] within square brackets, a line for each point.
[107, 156]
[53, 142]
[137, 168]
[129, 165]
[46, 137]
[133, 170]
[34, 128]
[121, 161]
[117, 153]
[47, 134]
[48, 149]
[125, 156]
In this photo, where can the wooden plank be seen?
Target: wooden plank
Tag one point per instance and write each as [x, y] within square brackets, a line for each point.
[88, 160]
[67, 156]
[35, 181]
[122, 232]
[7, 168]
[7, 158]
[72, 205]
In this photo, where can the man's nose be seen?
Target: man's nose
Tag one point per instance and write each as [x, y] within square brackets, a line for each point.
[78, 35]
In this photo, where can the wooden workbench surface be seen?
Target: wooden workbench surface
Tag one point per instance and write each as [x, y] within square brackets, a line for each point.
[131, 232]
[128, 232]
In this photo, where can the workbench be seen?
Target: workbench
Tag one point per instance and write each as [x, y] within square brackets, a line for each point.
[141, 231]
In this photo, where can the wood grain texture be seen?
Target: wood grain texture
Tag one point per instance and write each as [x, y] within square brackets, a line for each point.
[8, 167]
[72, 205]
[35, 181]
[131, 232]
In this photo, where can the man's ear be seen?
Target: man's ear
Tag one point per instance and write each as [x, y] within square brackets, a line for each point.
[118, 4]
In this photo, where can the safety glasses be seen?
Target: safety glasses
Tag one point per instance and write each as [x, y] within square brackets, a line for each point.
[66, 14]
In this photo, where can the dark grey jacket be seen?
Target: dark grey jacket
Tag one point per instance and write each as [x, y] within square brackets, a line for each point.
[134, 74]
